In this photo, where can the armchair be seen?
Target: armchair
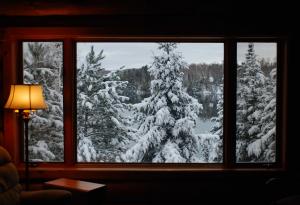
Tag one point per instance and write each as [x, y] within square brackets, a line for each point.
[11, 191]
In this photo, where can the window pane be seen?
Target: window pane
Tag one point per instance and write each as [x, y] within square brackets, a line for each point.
[43, 64]
[150, 102]
[256, 102]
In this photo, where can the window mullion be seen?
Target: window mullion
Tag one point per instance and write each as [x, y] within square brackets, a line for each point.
[229, 102]
[281, 107]
[69, 118]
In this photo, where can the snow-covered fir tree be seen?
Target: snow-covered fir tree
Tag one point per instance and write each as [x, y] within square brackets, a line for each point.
[86, 151]
[217, 129]
[43, 65]
[115, 129]
[210, 148]
[250, 89]
[264, 147]
[101, 112]
[166, 133]
[88, 77]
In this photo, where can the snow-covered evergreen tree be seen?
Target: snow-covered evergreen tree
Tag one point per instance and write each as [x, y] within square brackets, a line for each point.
[217, 129]
[115, 128]
[210, 148]
[43, 65]
[86, 151]
[264, 147]
[166, 133]
[101, 112]
[250, 89]
[88, 77]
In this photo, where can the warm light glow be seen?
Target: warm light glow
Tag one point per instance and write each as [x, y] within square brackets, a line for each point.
[26, 97]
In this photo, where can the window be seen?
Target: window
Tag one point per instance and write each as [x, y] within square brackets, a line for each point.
[43, 64]
[256, 102]
[113, 101]
[150, 102]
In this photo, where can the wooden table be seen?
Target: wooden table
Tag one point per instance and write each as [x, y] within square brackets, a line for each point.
[83, 192]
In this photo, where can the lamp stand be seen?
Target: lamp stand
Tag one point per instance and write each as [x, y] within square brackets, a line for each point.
[24, 99]
[26, 120]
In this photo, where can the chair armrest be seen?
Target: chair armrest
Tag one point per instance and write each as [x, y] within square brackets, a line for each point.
[46, 197]
[290, 200]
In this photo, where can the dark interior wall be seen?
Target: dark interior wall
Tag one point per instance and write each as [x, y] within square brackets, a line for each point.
[197, 18]
[1, 88]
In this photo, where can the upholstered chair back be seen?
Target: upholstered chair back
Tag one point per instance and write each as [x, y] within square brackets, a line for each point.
[9, 180]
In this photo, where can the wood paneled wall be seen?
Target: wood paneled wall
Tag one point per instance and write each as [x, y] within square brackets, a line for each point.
[194, 18]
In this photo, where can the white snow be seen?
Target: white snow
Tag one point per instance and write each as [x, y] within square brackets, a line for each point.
[41, 149]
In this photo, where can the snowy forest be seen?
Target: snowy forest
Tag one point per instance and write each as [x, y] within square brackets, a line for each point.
[168, 110]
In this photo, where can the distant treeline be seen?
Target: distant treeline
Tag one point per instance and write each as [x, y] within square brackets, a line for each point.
[202, 81]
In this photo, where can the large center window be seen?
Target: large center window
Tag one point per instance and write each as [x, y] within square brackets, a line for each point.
[149, 102]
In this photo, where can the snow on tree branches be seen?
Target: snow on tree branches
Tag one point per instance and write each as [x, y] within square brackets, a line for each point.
[43, 65]
[256, 111]
[166, 134]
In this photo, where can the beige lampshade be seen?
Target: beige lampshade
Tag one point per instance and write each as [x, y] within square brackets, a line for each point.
[26, 97]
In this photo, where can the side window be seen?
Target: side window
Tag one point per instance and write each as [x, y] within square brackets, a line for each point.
[43, 64]
[256, 102]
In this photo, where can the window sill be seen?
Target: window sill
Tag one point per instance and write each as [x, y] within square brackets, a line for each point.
[137, 173]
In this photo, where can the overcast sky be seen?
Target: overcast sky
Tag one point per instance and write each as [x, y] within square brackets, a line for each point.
[136, 55]
[262, 50]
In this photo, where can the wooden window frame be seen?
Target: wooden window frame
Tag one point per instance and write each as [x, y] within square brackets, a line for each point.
[69, 36]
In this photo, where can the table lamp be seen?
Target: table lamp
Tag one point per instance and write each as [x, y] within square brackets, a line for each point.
[25, 99]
